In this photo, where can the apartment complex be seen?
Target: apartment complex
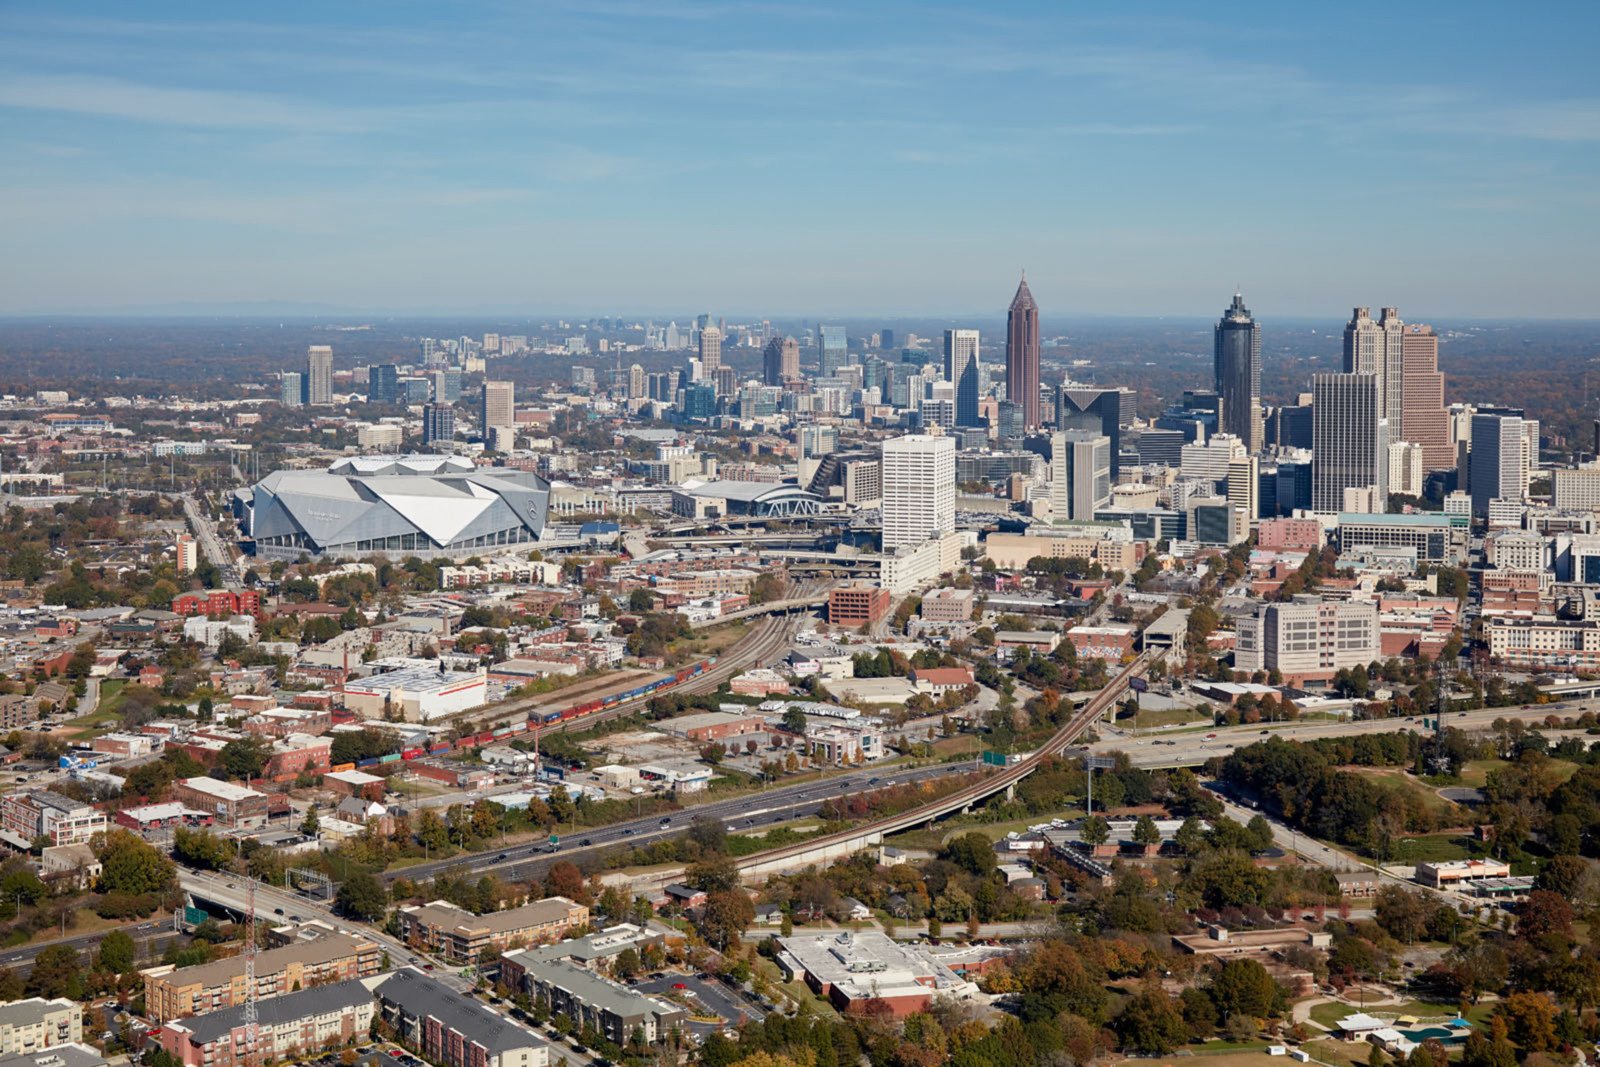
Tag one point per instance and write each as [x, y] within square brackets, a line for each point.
[457, 934]
[1544, 642]
[295, 1023]
[451, 1029]
[1309, 639]
[33, 1024]
[173, 992]
[563, 976]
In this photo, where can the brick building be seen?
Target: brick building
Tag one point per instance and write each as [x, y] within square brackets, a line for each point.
[858, 604]
[173, 992]
[457, 934]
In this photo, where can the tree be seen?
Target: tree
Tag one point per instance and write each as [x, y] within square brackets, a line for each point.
[431, 830]
[129, 865]
[715, 873]
[1544, 914]
[362, 896]
[1245, 987]
[725, 916]
[794, 720]
[1151, 1023]
[1145, 832]
[972, 852]
[1530, 1020]
[117, 953]
[1094, 830]
[627, 964]
[57, 972]
[245, 757]
[310, 825]
[1402, 913]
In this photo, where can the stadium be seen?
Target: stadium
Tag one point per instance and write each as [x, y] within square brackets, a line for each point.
[427, 506]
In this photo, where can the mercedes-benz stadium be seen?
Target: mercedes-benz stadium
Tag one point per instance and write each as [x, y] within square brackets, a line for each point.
[427, 506]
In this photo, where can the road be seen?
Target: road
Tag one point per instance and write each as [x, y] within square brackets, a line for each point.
[150, 940]
[205, 532]
[1193, 747]
[743, 813]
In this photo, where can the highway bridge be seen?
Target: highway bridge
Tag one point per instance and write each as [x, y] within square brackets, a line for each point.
[789, 606]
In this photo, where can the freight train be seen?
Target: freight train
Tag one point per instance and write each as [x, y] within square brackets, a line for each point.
[537, 719]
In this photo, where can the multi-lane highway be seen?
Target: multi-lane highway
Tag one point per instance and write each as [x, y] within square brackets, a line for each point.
[742, 814]
[150, 940]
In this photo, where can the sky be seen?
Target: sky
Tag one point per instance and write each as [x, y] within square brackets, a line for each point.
[801, 158]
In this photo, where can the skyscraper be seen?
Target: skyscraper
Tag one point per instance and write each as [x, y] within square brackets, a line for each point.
[833, 349]
[497, 407]
[438, 424]
[710, 352]
[1082, 407]
[780, 361]
[1350, 447]
[1376, 348]
[319, 376]
[1497, 469]
[1022, 355]
[383, 383]
[1236, 368]
[961, 369]
[919, 489]
[635, 382]
[1080, 474]
[291, 389]
[1423, 419]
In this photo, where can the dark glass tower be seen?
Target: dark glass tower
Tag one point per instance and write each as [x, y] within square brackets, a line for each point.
[1237, 372]
[1022, 355]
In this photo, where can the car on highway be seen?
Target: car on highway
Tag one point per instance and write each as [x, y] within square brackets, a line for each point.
[666, 820]
[586, 841]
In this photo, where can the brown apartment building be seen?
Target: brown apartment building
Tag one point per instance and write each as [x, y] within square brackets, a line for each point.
[175, 993]
[457, 934]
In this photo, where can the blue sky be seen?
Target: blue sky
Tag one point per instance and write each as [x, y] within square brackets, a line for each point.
[801, 158]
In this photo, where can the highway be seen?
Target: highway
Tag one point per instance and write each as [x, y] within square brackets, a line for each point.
[744, 814]
[1192, 747]
[150, 941]
[205, 533]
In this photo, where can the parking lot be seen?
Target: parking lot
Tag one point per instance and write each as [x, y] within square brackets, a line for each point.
[712, 997]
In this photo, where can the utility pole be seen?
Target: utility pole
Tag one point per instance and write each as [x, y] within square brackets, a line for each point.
[252, 1022]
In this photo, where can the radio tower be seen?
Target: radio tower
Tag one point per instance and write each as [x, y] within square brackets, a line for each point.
[251, 1019]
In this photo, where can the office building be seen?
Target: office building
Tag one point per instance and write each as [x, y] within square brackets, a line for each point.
[780, 361]
[452, 1029]
[710, 352]
[963, 370]
[457, 934]
[919, 489]
[1576, 490]
[833, 350]
[438, 424]
[868, 973]
[1350, 448]
[1497, 467]
[1082, 407]
[43, 813]
[1237, 373]
[446, 385]
[1244, 488]
[1423, 419]
[1436, 537]
[319, 376]
[1309, 639]
[383, 383]
[1080, 474]
[1405, 468]
[1377, 348]
[858, 604]
[1022, 355]
[497, 406]
[177, 992]
[291, 389]
[1210, 461]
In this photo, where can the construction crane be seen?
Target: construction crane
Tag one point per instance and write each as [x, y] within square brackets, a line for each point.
[252, 1021]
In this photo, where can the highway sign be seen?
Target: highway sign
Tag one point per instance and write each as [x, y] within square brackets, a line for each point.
[1099, 763]
[992, 758]
[1138, 685]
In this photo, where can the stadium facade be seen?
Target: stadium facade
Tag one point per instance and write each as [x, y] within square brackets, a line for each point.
[426, 506]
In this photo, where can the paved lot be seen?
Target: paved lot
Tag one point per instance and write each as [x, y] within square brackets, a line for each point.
[714, 998]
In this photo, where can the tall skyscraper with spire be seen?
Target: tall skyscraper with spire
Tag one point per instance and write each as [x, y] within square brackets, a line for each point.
[1022, 355]
[1236, 368]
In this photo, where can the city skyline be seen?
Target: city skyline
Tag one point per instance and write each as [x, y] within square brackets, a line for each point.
[502, 159]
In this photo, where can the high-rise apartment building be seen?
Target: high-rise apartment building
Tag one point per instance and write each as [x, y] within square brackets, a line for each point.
[961, 369]
[1236, 367]
[1080, 474]
[1377, 348]
[635, 382]
[1498, 465]
[919, 489]
[291, 389]
[319, 376]
[383, 383]
[1082, 407]
[780, 361]
[710, 352]
[1423, 418]
[438, 424]
[833, 349]
[1022, 355]
[498, 406]
[1350, 447]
